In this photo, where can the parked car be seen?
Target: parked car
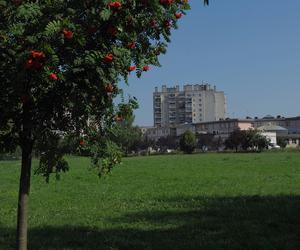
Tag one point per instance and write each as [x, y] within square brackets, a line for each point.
[273, 146]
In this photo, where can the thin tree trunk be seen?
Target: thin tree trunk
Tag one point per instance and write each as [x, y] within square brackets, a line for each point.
[23, 200]
[24, 187]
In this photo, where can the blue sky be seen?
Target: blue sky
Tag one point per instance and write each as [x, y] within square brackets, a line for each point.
[250, 49]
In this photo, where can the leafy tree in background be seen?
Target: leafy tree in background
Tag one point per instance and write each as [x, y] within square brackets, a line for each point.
[60, 63]
[282, 142]
[167, 142]
[126, 135]
[260, 142]
[147, 143]
[187, 142]
[235, 140]
[250, 139]
[247, 138]
[205, 141]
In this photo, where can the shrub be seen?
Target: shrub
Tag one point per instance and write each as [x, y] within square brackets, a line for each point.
[187, 142]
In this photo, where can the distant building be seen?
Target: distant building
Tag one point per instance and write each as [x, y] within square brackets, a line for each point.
[286, 128]
[194, 104]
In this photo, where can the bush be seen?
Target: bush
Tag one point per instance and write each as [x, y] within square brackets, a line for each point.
[281, 142]
[187, 142]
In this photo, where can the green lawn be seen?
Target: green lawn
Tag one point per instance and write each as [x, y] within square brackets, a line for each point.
[208, 201]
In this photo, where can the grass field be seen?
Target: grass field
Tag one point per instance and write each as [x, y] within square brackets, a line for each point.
[208, 201]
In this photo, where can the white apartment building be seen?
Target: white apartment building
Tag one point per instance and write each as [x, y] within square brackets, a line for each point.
[194, 104]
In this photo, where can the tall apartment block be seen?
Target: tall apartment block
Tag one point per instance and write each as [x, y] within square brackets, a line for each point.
[194, 104]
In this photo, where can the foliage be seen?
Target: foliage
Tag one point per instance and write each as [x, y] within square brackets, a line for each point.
[281, 142]
[167, 142]
[60, 63]
[235, 140]
[205, 141]
[246, 139]
[127, 136]
[259, 142]
[187, 142]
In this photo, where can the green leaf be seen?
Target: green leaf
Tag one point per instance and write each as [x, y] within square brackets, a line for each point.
[53, 28]
[105, 14]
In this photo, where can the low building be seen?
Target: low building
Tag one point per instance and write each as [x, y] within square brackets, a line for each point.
[154, 133]
[293, 140]
[222, 128]
[272, 132]
[287, 128]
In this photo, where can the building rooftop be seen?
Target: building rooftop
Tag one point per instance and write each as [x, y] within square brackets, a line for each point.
[271, 127]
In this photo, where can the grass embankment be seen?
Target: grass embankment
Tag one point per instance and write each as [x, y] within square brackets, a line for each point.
[208, 201]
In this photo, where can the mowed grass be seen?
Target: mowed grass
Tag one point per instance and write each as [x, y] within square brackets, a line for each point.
[204, 201]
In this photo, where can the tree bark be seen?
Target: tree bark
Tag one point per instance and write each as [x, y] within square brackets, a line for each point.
[24, 186]
[23, 200]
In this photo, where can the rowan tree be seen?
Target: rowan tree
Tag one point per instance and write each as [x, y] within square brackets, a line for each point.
[60, 64]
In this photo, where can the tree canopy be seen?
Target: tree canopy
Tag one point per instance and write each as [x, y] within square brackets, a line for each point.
[188, 142]
[61, 62]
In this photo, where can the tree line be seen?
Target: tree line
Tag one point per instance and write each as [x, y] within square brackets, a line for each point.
[131, 141]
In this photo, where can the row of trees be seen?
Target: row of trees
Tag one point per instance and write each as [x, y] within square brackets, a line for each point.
[130, 140]
[247, 140]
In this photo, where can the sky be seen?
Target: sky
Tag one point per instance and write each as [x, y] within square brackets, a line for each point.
[250, 49]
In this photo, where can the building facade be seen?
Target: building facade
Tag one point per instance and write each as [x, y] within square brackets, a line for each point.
[286, 128]
[194, 104]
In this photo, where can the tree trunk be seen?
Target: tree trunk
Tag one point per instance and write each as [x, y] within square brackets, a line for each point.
[23, 200]
[26, 143]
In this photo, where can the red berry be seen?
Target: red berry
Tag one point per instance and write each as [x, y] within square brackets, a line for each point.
[29, 64]
[131, 45]
[146, 68]
[109, 88]
[166, 2]
[178, 15]
[131, 68]
[82, 143]
[37, 54]
[108, 58]
[153, 24]
[68, 34]
[167, 24]
[53, 77]
[119, 118]
[115, 5]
